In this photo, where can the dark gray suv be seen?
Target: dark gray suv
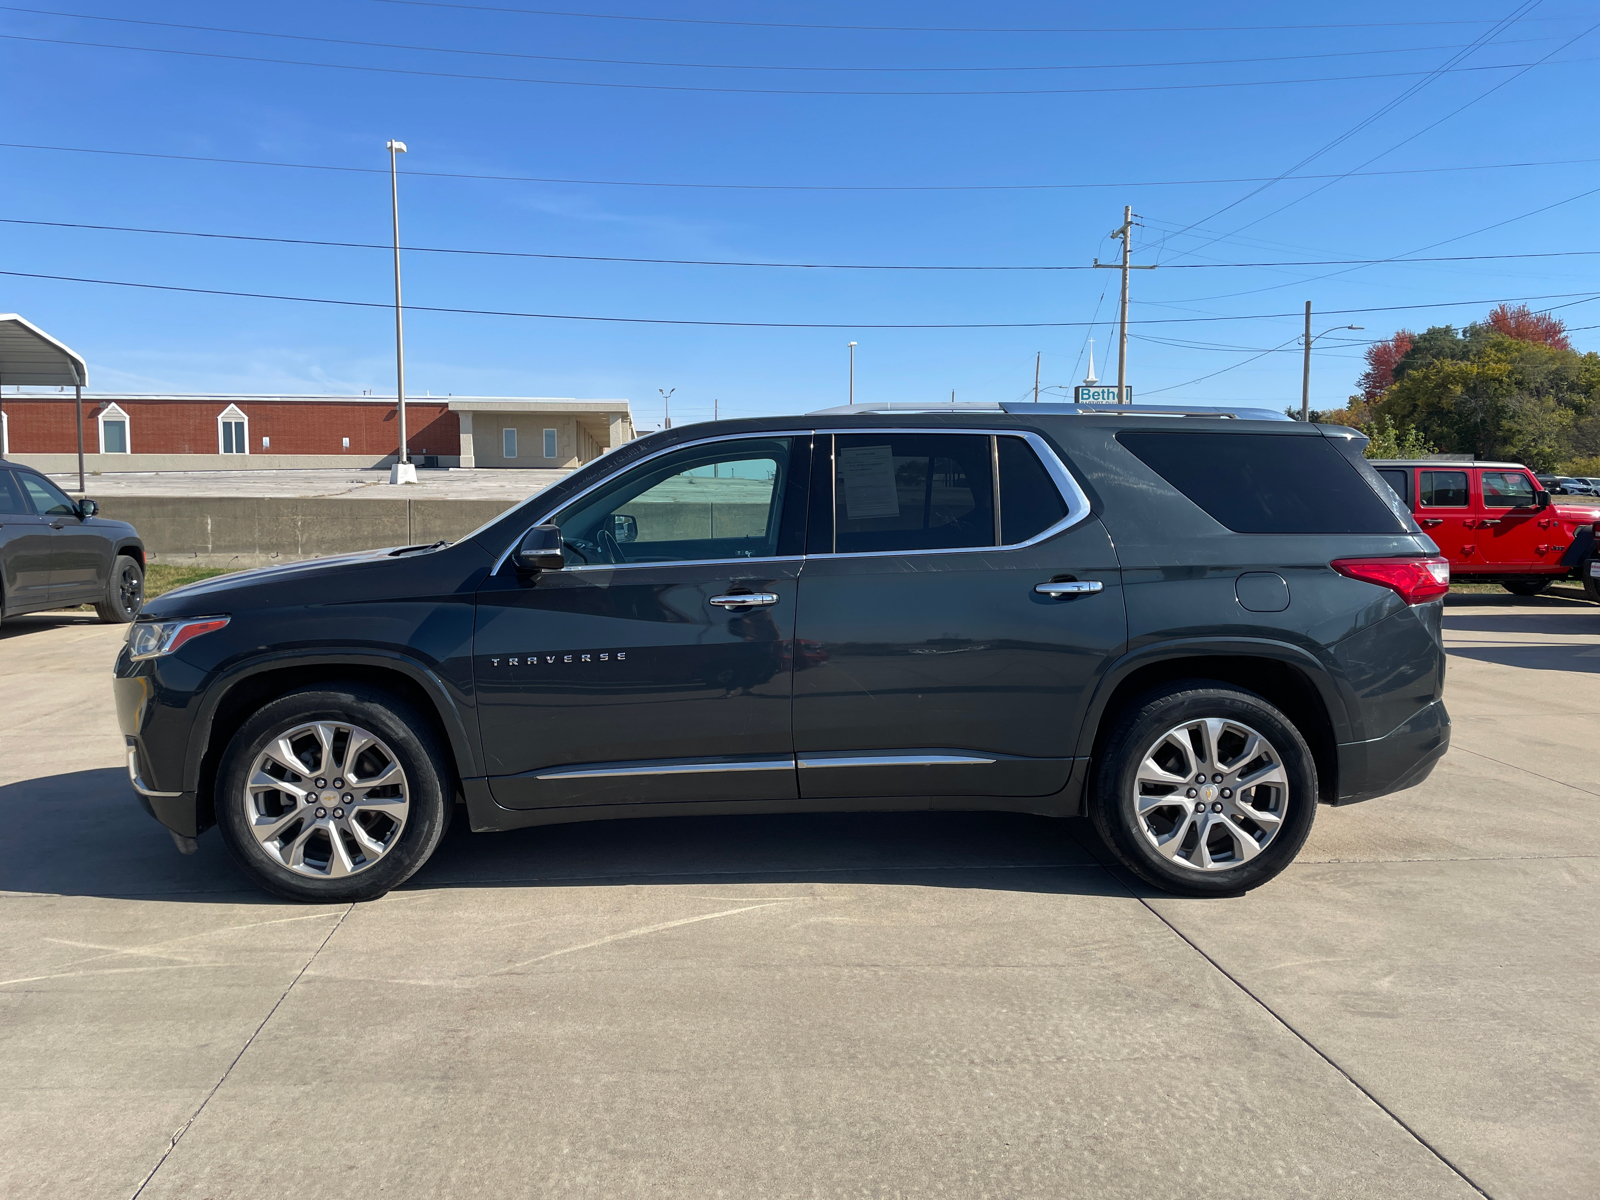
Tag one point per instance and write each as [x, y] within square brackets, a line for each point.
[56, 552]
[1192, 628]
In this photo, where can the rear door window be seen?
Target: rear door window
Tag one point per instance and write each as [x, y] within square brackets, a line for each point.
[11, 503]
[1266, 482]
[1400, 480]
[912, 491]
[1507, 489]
[1030, 501]
[1443, 489]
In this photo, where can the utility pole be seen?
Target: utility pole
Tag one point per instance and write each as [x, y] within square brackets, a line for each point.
[852, 372]
[1037, 355]
[1305, 372]
[403, 471]
[1125, 232]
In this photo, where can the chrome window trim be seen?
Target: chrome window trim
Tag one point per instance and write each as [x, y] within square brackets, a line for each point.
[599, 483]
[893, 760]
[1076, 501]
[665, 768]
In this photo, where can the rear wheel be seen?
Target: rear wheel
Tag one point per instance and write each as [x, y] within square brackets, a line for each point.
[124, 592]
[1204, 790]
[1591, 585]
[333, 794]
[1531, 586]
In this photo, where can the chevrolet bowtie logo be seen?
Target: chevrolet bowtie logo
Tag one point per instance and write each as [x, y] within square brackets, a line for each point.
[534, 660]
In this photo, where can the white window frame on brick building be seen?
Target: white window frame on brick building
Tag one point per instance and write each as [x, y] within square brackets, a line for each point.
[115, 415]
[508, 443]
[239, 437]
[552, 444]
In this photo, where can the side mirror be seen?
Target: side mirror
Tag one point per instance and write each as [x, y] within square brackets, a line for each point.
[1541, 500]
[624, 528]
[540, 550]
[87, 508]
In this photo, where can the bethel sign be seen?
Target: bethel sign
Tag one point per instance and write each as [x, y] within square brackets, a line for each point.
[1099, 394]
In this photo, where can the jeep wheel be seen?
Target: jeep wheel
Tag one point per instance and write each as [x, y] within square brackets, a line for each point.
[1591, 585]
[333, 794]
[1530, 586]
[124, 592]
[1204, 790]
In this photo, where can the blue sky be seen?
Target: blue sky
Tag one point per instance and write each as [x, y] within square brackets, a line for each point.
[1224, 114]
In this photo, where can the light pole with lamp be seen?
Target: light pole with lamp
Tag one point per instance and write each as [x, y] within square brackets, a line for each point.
[1305, 374]
[852, 372]
[404, 470]
[666, 407]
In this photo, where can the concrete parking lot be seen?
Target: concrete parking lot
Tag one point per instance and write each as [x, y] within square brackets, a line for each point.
[923, 1005]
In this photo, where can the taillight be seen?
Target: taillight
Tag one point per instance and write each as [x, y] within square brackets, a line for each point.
[1416, 580]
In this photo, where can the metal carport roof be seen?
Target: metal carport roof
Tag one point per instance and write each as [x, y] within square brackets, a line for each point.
[31, 357]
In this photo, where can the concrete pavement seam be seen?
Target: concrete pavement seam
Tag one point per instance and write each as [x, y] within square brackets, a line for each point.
[1116, 874]
[1535, 774]
[248, 1042]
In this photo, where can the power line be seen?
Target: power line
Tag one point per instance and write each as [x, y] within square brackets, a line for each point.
[489, 312]
[804, 266]
[703, 66]
[697, 88]
[1447, 66]
[545, 12]
[777, 187]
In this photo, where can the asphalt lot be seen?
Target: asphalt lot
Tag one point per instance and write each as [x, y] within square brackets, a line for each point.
[923, 1005]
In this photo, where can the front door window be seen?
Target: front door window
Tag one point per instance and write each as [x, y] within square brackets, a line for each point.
[1507, 489]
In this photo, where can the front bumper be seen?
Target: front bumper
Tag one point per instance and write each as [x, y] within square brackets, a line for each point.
[1400, 759]
[178, 811]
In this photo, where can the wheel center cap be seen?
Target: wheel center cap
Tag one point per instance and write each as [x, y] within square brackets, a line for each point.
[1209, 792]
[329, 797]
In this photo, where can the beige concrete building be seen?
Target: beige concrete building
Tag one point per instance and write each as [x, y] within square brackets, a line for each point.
[540, 433]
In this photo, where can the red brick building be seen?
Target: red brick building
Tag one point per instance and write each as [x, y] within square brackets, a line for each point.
[134, 432]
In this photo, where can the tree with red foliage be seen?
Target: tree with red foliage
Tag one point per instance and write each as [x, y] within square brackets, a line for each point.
[1528, 326]
[1381, 360]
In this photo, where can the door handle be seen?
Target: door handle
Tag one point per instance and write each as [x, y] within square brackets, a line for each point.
[1430, 522]
[1487, 524]
[58, 524]
[745, 600]
[1067, 588]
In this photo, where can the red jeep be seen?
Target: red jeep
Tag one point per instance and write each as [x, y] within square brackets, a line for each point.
[1494, 522]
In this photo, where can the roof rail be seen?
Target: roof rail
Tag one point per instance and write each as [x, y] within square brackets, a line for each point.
[1053, 408]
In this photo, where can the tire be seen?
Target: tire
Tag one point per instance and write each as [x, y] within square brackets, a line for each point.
[124, 592]
[386, 831]
[1232, 847]
[1591, 585]
[1530, 586]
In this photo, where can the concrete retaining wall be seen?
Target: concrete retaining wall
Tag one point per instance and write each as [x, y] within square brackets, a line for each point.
[67, 464]
[257, 531]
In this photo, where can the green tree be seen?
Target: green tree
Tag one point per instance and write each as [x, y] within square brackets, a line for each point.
[1388, 441]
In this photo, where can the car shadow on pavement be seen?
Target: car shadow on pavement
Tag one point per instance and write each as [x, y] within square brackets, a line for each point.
[84, 834]
[39, 622]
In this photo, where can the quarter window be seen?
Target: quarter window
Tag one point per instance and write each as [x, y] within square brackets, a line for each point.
[913, 492]
[1399, 479]
[1266, 482]
[718, 501]
[1443, 489]
[1507, 489]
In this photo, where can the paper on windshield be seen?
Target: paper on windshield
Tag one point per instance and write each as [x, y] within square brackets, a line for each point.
[867, 475]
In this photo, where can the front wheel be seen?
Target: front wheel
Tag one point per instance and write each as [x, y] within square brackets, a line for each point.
[124, 592]
[333, 794]
[1204, 790]
[1531, 586]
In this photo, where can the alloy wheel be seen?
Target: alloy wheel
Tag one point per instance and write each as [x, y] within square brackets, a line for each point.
[326, 800]
[130, 589]
[1210, 794]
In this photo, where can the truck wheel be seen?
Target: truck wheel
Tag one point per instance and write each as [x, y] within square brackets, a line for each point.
[1204, 790]
[124, 592]
[1530, 586]
[1591, 585]
[333, 794]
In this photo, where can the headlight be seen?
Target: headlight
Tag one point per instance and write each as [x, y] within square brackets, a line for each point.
[152, 639]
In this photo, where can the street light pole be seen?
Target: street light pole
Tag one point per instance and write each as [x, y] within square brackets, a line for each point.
[1305, 370]
[666, 407]
[403, 471]
[852, 372]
